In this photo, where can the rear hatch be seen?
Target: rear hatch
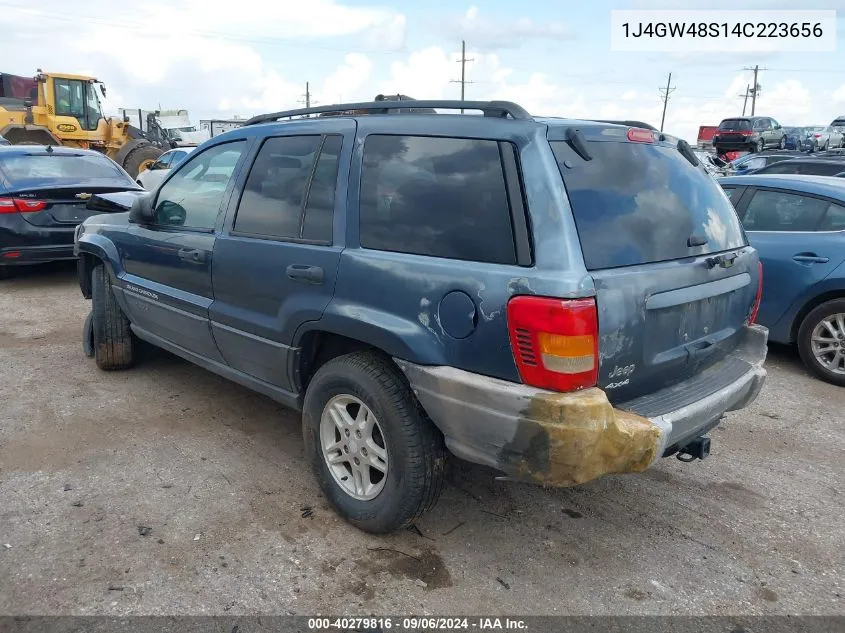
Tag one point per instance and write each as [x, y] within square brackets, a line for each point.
[51, 188]
[674, 275]
[734, 129]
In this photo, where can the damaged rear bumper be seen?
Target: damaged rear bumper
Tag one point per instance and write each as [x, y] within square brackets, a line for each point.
[566, 439]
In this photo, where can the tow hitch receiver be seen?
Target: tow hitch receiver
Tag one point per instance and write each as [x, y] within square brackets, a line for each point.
[699, 448]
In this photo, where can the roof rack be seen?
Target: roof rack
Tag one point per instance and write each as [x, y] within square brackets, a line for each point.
[497, 109]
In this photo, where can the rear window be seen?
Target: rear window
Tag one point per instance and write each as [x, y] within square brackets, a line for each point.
[639, 203]
[68, 167]
[735, 124]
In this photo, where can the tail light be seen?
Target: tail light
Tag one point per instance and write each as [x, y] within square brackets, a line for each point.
[747, 133]
[817, 135]
[555, 342]
[19, 205]
[640, 135]
[759, 295]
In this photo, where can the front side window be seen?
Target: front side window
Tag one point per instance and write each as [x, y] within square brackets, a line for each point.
[69, 98]
[442, 197]
[193, 195]
[780, 211]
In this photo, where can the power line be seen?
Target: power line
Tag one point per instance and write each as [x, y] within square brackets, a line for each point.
[463, 62]
[665, 92]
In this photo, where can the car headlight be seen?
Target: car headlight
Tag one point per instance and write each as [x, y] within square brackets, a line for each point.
[80, 229]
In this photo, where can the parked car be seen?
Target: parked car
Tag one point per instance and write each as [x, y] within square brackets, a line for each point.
[153, 176]
[417, 283]
[813, 138]
[3, 140]
[752, 162]
[43, 196]
[810, 166]
[799, 139]
[830, 137]
[798, 225]
[713, 165]
[753, 134]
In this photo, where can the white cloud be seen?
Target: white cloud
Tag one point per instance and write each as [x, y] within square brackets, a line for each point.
[490, 33]
[346, 79]
[839, 94]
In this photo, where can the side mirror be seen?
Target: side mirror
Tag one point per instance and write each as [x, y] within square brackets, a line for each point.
[142, 211]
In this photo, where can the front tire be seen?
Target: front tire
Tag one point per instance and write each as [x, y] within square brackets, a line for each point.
[782, 144]
[114, 343]
[376, 455]
[821, 341]
[760, 146]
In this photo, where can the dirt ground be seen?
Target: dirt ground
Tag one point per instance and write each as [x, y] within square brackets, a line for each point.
[167, 490]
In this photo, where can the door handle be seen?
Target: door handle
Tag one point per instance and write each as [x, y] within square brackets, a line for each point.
[308, 274]
[192, 255]
[810, 258]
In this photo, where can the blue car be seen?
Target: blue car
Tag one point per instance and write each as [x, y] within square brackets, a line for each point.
[557, 299]
[797, 223]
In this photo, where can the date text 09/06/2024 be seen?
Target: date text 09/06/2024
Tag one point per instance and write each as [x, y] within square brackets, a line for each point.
[417, 624]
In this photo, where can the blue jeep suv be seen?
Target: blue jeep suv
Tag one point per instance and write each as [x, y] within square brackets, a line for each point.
[557, 299]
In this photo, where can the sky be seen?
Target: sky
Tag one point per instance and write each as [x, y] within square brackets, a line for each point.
[220, 59]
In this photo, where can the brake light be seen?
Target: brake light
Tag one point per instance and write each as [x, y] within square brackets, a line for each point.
[19, 205]
[817, 135]
[640, 135]
[759, 295]
[747, 133]
[554, 342]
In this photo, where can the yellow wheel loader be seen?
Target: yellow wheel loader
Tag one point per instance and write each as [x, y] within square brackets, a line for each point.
[62, 109]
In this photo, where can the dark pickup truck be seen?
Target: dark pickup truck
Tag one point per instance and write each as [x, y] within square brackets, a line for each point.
[557, 299]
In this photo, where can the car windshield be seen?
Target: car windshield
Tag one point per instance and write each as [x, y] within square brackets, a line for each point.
[735, 124]
[71, 168]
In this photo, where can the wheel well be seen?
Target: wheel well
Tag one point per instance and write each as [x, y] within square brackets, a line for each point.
[84, 265]
[318, 347]
[20, 135]
[811, 305]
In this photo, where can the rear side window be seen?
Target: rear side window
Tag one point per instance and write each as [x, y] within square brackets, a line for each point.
[781, 211]
[639, 203]
[61, 167]
[443, 197]
[273, 203]
[834, 219]
[735, 125]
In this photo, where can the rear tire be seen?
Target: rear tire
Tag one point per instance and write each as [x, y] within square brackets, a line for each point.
[760, 146]
[139, 157]
[414, 456]
[782, 144]
[114, 343]
[816, 361]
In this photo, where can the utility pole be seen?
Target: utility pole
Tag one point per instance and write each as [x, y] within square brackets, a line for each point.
[463, 62]
[745, 100]
[756, 88]
[307, 95]
[665, 92]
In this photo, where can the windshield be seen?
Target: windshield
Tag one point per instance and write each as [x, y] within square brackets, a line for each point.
[657, 199]
[93, 112]
[735, 124]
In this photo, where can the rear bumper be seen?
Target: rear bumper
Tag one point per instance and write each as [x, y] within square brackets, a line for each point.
[566, 439]
[734, 145]
[24, 255]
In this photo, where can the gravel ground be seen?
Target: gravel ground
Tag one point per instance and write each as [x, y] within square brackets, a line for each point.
[168, 490]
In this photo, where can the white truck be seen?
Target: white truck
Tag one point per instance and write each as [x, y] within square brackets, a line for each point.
[213, 127]
[176, 123]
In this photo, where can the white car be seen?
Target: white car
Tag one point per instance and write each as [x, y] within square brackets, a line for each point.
[153, 176]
